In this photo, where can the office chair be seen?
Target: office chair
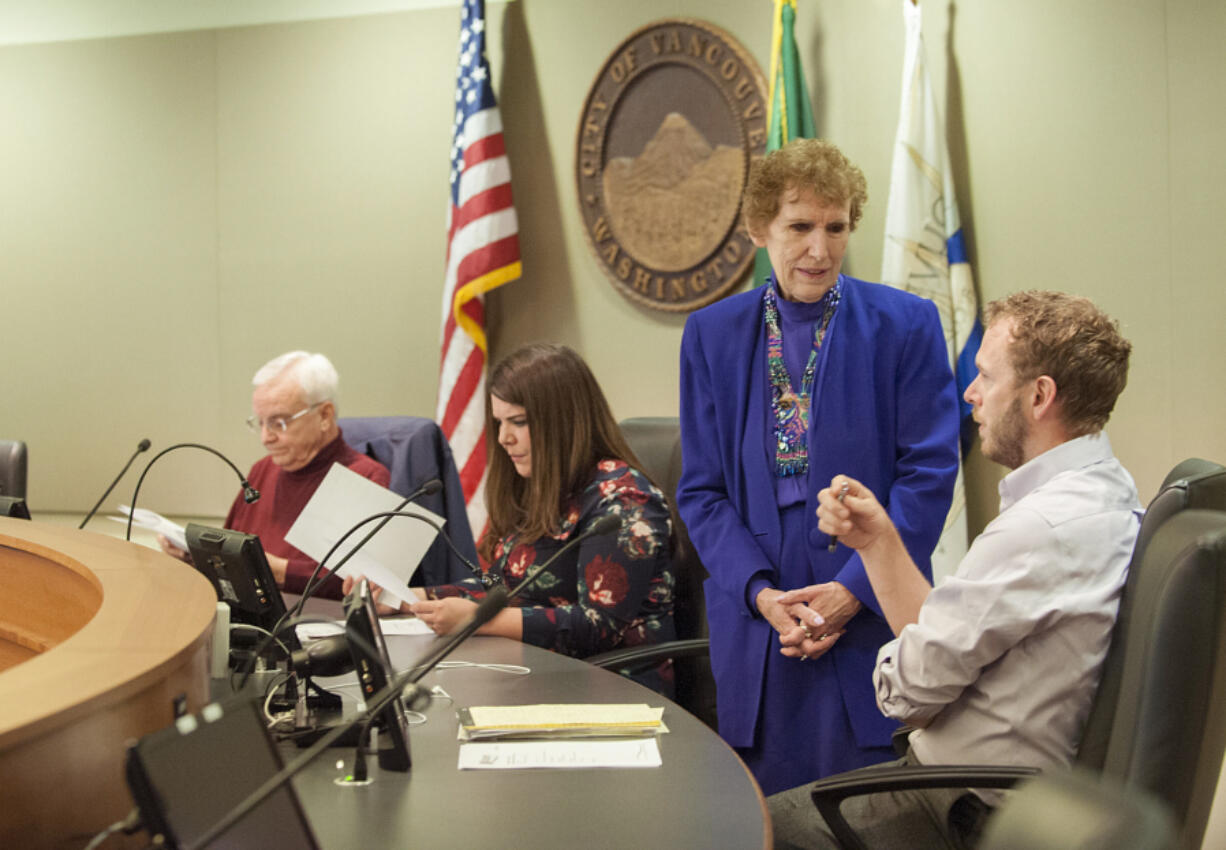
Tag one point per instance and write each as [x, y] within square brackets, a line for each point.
[414, 450]
[1149, 727]
[1076, 810]
[1193, 483]
[656, 441]
[11, 506]
[13, 462]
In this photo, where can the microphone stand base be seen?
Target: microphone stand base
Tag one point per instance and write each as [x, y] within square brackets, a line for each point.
[350, 782]
[305, 737]
[317, 700]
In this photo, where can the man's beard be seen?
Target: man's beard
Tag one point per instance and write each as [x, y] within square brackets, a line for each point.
[1008, 438]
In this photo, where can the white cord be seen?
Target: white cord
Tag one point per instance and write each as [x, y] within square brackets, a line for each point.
[285, 715]
[512, 669]
[130, 822]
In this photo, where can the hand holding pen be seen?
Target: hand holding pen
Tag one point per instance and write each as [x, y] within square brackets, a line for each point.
[834, 538]
[850, 513]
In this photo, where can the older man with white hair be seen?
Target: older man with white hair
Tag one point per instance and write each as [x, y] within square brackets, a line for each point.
[294, 413]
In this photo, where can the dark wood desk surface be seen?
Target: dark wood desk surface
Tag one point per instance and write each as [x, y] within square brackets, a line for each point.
[702, 796]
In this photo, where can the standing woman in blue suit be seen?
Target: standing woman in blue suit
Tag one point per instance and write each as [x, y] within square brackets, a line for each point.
[782, 387]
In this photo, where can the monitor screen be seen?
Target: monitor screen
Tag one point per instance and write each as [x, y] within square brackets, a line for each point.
[187, 777]
[235, 565]
[374, 669]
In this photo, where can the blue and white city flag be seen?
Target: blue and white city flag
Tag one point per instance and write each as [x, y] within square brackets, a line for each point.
[925, 252]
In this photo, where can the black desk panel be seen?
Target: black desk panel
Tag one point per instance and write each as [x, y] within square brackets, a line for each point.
[702, 796]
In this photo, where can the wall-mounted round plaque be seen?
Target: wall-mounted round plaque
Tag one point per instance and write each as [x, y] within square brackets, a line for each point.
[664, 144]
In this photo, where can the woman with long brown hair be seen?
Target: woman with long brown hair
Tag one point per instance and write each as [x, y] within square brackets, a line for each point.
[558, 463]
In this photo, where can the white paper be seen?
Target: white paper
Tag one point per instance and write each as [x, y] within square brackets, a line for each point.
[405, 626]
[316, 631]
[155, 522]
[344, 499]
[569, 754]
[389, 626]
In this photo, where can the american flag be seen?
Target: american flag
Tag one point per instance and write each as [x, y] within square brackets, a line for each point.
[482, 253]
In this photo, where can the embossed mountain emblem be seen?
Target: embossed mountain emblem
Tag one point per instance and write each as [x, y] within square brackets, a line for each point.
[664, 146]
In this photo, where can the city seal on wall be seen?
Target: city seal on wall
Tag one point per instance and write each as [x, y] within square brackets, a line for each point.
[664, 144]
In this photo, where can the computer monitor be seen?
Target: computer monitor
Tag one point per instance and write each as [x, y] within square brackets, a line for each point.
[374, 670]
[234, 563]
[185, 778]
[14, 507]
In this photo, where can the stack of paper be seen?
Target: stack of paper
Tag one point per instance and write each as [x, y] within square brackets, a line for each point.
[559, 720]
[546, 736]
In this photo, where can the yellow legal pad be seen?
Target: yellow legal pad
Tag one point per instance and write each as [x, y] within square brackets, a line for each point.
[560, 720]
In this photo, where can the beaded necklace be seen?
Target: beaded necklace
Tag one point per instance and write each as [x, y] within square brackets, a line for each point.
[792, 410]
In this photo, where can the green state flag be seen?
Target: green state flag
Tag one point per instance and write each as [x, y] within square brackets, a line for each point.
[791, 113]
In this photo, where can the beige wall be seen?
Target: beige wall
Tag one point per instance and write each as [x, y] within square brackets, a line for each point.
[180, 207]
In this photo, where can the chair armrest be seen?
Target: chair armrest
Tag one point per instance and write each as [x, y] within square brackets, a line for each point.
[649, 653]
[829, 793]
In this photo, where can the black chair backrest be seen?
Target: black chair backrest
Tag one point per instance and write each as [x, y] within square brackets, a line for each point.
[1194, 483]
[656, 441]
[1165, 739]
[13, 460]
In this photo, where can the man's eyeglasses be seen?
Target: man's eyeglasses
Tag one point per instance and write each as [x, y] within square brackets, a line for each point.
[278, 424]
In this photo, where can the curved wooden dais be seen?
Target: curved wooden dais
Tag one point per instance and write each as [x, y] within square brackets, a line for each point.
[98, 638]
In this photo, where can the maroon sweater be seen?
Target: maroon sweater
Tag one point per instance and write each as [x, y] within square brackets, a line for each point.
[283, 495]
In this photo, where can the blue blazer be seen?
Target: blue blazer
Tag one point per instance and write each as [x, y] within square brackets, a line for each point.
[885, 412]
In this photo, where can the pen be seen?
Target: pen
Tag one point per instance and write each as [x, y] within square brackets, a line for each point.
[834, 538]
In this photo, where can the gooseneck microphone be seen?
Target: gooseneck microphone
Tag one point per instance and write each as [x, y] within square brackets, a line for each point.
[428, 488]
[476, 571]
[250, 494]
[606, 524]
[442, 647]
[143, 446]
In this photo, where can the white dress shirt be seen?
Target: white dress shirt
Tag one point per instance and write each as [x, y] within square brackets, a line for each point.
[1008, 651]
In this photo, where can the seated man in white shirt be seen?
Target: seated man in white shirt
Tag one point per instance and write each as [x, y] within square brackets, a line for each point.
[997, 665]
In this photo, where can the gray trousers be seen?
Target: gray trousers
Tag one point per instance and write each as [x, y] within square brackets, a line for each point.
[939, 818]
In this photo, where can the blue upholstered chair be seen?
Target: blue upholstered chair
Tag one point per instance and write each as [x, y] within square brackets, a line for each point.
[414, 450]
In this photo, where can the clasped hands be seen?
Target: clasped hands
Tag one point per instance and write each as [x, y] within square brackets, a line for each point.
[809, 620]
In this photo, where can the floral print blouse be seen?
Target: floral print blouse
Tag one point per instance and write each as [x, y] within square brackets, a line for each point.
[610, 591]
